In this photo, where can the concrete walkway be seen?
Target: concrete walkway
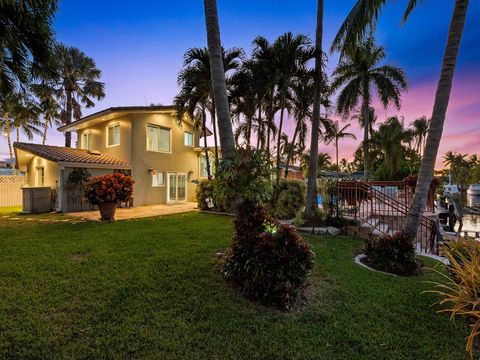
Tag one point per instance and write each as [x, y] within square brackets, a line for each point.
[140, 211]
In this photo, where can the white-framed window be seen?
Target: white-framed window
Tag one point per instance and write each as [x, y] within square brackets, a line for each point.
[203, 166]
[113, 135]
[158, 179]
[87, 140]
[188, 138]
[158, 138]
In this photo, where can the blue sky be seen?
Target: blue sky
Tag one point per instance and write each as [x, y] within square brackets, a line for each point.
[139, 48]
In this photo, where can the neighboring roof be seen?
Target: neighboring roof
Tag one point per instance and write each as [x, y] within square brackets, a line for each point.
[120, 109]
[62, 154]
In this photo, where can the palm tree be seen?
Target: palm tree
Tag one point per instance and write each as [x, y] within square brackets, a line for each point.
[26, 34]
[291, 56]
[390, 139]
[196, 71]
[192, 101]
[76, 83]
[335, 133]
[420, 129]
[48, 106]
[18, 113]
[357, 74]
[311, 197]
[301, 103]
[217, 71]
[324, 161]
[364, 14]
[372, 119]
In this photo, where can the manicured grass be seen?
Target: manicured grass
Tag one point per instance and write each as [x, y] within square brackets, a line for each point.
[149, 288]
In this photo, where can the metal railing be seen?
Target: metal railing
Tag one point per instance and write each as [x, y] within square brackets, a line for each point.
[383, 211]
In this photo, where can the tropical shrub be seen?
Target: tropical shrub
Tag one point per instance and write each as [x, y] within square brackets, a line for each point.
[205, 190]
[392, 253]
[460, 293]
[109, 188]
[268, 261]
[289, 198]
[246, 178]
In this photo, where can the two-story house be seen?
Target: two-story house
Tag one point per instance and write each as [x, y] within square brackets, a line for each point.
[163, 156]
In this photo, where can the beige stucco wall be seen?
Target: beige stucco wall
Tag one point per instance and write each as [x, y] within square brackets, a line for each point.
[50, 172]
[181, 159]
[99, 138]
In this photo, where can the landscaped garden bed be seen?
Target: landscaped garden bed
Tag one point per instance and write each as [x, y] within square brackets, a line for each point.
[151, 288]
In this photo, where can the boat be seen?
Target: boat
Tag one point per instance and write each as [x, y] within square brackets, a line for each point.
[474, 190]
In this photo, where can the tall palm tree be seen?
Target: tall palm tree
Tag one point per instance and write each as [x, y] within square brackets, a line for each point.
[372, 119]
[357, 74]
[420, 129]
[292, 54]
[196, 70]
[26, 34]
[364, 14]
[336, 133]
[311, 197]
[301, 104]
[217, 71]
[76, 83]
[324, 161]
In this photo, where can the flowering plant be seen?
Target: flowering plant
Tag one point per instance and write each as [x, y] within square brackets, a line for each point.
[109, 188]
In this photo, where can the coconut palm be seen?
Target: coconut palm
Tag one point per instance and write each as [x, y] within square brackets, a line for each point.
[19, 44]
[76, 83]
[372, 119]
[336, 133]
[196, 71]
[324, 161]
[217, 72]
[365, 14]
[420, 129]
[357, 75]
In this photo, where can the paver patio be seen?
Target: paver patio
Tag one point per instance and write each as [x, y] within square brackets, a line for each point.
[140, 211]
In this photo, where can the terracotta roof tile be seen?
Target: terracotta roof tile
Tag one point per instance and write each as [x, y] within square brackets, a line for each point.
[65, 154]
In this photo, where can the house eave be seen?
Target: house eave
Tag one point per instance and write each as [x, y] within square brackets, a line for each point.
[65, 164]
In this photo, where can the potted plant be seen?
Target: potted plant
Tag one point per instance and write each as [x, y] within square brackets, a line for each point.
[107, 191]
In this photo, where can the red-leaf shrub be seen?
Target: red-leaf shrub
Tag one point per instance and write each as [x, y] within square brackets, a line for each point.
[392, 253]
[269, 262]
[109, 188]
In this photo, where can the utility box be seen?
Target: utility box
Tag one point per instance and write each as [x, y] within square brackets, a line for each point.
[36, 199]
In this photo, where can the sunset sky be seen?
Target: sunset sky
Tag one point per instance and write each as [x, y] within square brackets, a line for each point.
[139, 48]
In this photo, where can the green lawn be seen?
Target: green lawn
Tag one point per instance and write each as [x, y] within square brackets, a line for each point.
[149, 289]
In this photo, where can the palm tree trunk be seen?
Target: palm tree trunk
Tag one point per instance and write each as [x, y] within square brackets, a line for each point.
[269, 126]
[45, 128]
[311, 198]
[214, 127]
[366, 126]
[204, 128]
[336, 150]
[442, 97]
[227, 140]
[280, 125]
[68, 120]
[290, 153]
[17, 131]
[9, 141]
[259, 122]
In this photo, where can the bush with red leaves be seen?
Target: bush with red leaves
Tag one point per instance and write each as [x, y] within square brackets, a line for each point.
[109, 188]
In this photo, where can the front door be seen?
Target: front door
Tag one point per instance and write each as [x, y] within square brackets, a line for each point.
[176, 187]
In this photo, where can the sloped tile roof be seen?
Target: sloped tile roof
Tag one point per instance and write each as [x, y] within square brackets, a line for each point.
[65, 154]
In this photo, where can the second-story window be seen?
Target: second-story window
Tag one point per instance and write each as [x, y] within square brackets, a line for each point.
[188, 139]
[113, 135]
[87, 140]
[158, 138]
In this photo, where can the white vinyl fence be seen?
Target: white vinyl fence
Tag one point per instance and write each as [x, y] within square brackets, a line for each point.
[11, 190]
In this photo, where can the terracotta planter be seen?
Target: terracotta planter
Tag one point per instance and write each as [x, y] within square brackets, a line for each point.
[107, 210]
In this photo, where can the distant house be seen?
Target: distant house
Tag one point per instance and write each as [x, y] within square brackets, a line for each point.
[163, 156]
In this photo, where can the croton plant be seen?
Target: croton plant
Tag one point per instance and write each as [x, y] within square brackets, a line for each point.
[111, 188]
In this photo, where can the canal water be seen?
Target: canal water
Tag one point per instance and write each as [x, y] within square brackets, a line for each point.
[470, 222]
